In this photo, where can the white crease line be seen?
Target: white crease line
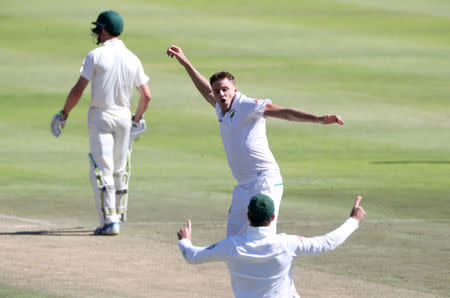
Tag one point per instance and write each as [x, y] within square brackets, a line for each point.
[35, 221]
[156, 223]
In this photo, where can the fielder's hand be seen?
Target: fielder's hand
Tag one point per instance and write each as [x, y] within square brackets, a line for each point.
[358, 212]
[330, 119]
[185, 232]
[58, 121]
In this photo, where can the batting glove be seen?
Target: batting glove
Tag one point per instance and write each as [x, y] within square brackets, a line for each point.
[137, 129]
[57, 121]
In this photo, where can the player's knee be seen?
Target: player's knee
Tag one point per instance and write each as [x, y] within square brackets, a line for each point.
[121, 182]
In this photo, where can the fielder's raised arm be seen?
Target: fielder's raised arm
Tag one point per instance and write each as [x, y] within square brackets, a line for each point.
[329, 242]
[186, 232]
[200, 82]
[358, 212]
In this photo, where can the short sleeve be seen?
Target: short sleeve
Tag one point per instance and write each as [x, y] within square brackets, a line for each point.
[87, 68]
[293, 243]
[255, 107]
[141, 77]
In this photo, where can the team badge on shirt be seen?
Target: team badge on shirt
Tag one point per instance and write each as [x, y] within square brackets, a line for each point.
[232, 112]
[228, 117]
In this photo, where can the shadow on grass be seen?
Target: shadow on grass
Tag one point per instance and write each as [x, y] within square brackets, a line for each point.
[77, 231]
[395, 162]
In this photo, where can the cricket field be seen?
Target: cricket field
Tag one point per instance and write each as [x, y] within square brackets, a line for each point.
[384, 66]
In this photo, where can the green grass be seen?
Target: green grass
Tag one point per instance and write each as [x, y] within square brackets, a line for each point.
[8, 292]
[383, 65]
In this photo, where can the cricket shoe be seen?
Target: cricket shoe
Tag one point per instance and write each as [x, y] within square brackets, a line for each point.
[109, 229]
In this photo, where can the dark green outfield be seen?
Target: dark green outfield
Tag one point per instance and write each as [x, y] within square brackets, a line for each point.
[384, 66]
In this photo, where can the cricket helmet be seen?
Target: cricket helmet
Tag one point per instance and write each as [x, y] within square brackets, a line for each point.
[111, 21]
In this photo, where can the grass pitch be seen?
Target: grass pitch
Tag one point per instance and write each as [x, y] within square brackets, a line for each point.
[384, 67]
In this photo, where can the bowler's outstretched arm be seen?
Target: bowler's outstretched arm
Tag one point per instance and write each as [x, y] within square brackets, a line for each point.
[297, 115]
[200, 82]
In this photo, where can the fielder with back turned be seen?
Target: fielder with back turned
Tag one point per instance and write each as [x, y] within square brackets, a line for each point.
[260, 261]
[114, 71]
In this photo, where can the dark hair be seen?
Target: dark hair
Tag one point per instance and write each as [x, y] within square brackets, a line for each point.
[220, 76]
[261, 223]
[261, 209]
[96, 33]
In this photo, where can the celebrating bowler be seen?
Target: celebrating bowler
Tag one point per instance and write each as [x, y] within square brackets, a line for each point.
[243, 131]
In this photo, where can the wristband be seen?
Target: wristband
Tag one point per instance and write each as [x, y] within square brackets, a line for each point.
[61, 113]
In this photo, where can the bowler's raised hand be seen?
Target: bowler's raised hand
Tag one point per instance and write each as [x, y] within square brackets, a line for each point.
[331, 118]
[177, 52]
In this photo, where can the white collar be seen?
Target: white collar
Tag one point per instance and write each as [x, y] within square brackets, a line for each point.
[113, 41]
[237, 98]
[259, 232]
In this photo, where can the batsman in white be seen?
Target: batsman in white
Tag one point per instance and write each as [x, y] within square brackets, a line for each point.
[114, 71]
[260, 261]
[243, 131]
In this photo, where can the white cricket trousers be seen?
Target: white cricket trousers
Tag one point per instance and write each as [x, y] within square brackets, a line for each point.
[109, 137]
[269, 183]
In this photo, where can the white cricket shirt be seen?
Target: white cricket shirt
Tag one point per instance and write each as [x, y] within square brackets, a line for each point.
[114, 71]
[260, 261]
[243, 132]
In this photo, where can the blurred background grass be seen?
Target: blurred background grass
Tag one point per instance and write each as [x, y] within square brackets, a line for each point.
[383, 66]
